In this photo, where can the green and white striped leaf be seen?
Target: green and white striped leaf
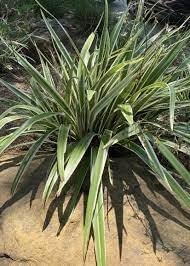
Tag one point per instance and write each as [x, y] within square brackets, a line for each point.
[172, 106]
[68, 59]
[127, 112]
[78, 181]
[45, 86]
[155, 164]
[98, 219]
[174, 161]
[96, 177]
[85, 55]
[4, 144]
[175, 188]
[50, 183]
[177, 146]
[28, 158]
[4, 121]
[75, 157]
[20, 94]
[61, 149]
[99, 229]
[124, 135]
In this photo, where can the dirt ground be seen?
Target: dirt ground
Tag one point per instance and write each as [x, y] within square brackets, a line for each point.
[144, 224]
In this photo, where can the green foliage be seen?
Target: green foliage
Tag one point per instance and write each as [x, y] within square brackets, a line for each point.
[107, 94]
[7, 56]
[15, 19]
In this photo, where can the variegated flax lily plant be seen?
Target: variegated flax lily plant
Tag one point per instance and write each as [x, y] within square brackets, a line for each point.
[81, 105]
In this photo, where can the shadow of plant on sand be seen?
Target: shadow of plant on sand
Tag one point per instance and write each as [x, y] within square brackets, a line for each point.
[131, 183]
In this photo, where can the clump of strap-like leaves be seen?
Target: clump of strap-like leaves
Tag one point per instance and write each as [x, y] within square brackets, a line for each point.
[83, 105]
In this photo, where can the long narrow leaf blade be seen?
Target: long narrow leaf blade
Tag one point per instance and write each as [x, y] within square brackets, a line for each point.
[75, 158]
[176, 189]
[7, 141]
[78, 182]
[155, 164]
[96, 177]
[21, 95]
[51, 181]
[61, 149]
[174, 161]
[28, 158]
[99, 230]
[124, 134]
[172, 106]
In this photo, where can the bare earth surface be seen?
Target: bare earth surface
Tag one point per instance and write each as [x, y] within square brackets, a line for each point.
[152, 228]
